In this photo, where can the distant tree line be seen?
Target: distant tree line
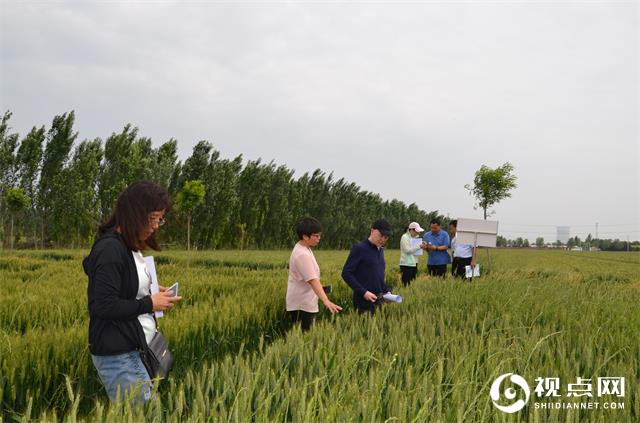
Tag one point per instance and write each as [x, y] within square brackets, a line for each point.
[54, 191]
[587, 244]
[512, 243]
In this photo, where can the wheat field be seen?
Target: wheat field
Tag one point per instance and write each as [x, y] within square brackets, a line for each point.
[237, 358]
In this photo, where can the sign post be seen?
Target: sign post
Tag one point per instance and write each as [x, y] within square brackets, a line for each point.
[478, 232]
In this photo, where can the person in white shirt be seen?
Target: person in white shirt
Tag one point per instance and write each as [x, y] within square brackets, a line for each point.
[408, 262]
[304, 287]
[463, 254]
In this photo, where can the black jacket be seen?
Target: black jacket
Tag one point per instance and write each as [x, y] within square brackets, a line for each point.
[364, 271]
[113, 309]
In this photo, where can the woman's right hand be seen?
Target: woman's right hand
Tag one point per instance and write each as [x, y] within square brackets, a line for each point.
[333, 308]
[163, 300]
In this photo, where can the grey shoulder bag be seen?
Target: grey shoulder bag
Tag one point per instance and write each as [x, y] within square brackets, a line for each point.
[157, 357]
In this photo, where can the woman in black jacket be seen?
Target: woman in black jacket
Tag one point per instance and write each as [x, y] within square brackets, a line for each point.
[121, 306]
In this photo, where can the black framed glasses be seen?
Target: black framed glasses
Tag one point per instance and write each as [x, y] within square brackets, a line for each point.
[160, 221]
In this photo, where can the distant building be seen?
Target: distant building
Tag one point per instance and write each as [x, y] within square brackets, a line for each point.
[563, 233]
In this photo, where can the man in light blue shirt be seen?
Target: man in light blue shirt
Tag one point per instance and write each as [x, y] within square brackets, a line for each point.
[463, 254]
[437, 242]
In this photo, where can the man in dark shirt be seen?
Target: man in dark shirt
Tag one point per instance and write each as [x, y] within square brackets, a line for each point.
[364, 269]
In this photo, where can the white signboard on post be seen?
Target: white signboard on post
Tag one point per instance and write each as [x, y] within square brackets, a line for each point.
[478, 232]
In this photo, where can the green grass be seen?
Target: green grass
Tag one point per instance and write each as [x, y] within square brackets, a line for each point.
[431, 358]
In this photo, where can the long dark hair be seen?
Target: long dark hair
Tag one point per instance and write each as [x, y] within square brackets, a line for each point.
[131, 214]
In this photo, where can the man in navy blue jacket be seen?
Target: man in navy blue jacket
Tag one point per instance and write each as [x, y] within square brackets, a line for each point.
[364, 269]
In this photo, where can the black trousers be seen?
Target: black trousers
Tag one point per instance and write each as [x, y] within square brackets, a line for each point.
[366, 307]
[457, 267]
[304, 317]
[437, 269]
[408, 274]
[367, 310]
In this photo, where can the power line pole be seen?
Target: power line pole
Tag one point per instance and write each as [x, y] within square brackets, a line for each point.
[596, 230]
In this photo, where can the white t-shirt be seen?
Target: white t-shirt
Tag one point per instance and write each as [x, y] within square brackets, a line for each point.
[302, 268]
[144, 288]
[461, 250]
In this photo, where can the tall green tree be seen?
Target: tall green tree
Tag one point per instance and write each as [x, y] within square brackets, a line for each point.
[8, 144]
[349, 214]
[17, 202]
[28, 161]
[176, 176]
[253, 185]
[490, 186]
[539, 242]
[165, 159]
[279, 219]
[76, 210]
[195, 166]
[143, 159]
[118, 167]
[189, 198]
[317, 195]
[220, 207]
[60, 139]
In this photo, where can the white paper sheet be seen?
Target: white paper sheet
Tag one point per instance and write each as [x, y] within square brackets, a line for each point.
[151, 267]
[469, 273]
[415, 242]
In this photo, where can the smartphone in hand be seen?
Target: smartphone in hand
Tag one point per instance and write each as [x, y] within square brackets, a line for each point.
[174, 289]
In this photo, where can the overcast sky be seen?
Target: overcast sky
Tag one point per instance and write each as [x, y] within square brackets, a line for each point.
[405, 99]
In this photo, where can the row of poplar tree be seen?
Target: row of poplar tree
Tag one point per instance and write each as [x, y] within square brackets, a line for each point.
[54, 191]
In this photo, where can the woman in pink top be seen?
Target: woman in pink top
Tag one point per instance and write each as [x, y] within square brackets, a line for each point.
[304, 287]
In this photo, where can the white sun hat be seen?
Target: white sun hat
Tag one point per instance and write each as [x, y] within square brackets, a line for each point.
[416, 226]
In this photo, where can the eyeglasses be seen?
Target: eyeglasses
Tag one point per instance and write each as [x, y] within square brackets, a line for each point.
[157, 220]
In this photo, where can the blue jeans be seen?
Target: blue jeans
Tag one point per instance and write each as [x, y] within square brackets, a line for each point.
[123, 375]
